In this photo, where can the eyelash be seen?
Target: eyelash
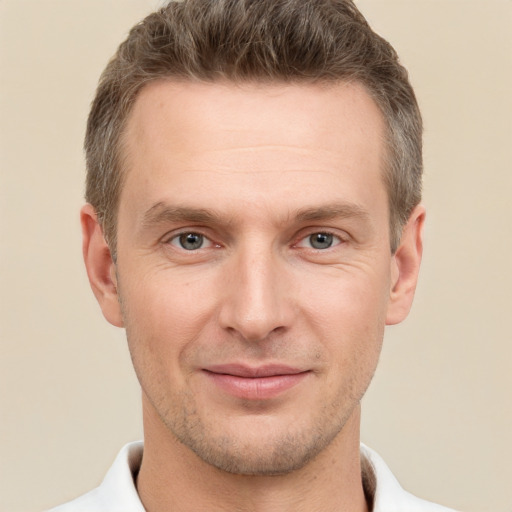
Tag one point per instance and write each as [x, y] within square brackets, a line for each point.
[335, 240]
[179, 236]
[177, 240]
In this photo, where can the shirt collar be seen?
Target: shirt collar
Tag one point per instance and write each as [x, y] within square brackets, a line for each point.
[381, 487]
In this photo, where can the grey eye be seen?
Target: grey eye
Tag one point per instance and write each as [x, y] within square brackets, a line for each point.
[191, 241]
[321, 240]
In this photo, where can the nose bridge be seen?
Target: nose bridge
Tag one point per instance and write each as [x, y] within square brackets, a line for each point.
[255, 302]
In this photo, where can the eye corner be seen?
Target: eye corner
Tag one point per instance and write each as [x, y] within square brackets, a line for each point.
[189, 241]
[319, 240]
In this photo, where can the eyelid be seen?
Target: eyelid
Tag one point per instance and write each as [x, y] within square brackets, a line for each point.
[173, 237]
[338, 239]
[301, 239]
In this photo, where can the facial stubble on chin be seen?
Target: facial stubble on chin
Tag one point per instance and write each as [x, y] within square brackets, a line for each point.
[273, 454]
[269, 455]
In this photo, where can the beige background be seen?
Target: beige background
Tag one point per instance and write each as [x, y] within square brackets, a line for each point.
[439, 410]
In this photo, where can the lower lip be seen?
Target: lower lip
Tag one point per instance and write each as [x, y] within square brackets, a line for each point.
[256, 388]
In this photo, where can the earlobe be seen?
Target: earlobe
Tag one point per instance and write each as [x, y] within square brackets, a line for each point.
[100, 267]
[405, 267]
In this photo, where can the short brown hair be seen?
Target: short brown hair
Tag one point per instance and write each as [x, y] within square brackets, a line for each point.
[254, 40]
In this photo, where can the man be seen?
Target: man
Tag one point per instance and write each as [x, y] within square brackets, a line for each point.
[253, 222]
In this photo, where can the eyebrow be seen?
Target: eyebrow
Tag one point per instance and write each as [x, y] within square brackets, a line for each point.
[162, 212]
[332, 211]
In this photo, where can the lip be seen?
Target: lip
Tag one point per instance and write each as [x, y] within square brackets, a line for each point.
[255, 383]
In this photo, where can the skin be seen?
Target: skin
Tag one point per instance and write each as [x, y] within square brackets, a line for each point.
[253, 174]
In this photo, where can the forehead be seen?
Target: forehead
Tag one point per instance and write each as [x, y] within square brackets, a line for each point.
[252, 140]
[311, 113]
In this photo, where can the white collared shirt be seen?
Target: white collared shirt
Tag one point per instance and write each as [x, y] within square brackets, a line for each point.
[117, 492]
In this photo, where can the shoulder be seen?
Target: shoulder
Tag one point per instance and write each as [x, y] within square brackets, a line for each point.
[91, 502]
[388, 495]
[117, 492]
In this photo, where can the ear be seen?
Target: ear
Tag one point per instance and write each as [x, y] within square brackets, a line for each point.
[405, 267]
[100, 267]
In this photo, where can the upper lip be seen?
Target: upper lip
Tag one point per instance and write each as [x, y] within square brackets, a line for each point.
[241, 370]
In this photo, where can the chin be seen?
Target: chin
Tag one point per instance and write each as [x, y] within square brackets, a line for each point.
[263, 450]
[272, 458]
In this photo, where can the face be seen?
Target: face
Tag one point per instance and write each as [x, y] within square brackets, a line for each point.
[254, 269]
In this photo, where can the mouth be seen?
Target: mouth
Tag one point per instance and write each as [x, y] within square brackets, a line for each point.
[255, 383]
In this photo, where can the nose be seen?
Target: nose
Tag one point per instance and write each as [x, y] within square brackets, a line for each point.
[257, 296]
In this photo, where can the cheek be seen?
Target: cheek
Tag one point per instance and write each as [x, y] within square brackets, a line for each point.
[351, 331]
[163, 297]
[348, 312]
[353, 297]
[164, 313]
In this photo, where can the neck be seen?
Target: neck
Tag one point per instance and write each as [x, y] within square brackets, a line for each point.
[172, 477]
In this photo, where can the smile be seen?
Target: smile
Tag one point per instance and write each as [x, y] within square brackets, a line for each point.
[260, 383]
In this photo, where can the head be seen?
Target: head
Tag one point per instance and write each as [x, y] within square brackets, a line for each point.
[256, 166]
[264, 41]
